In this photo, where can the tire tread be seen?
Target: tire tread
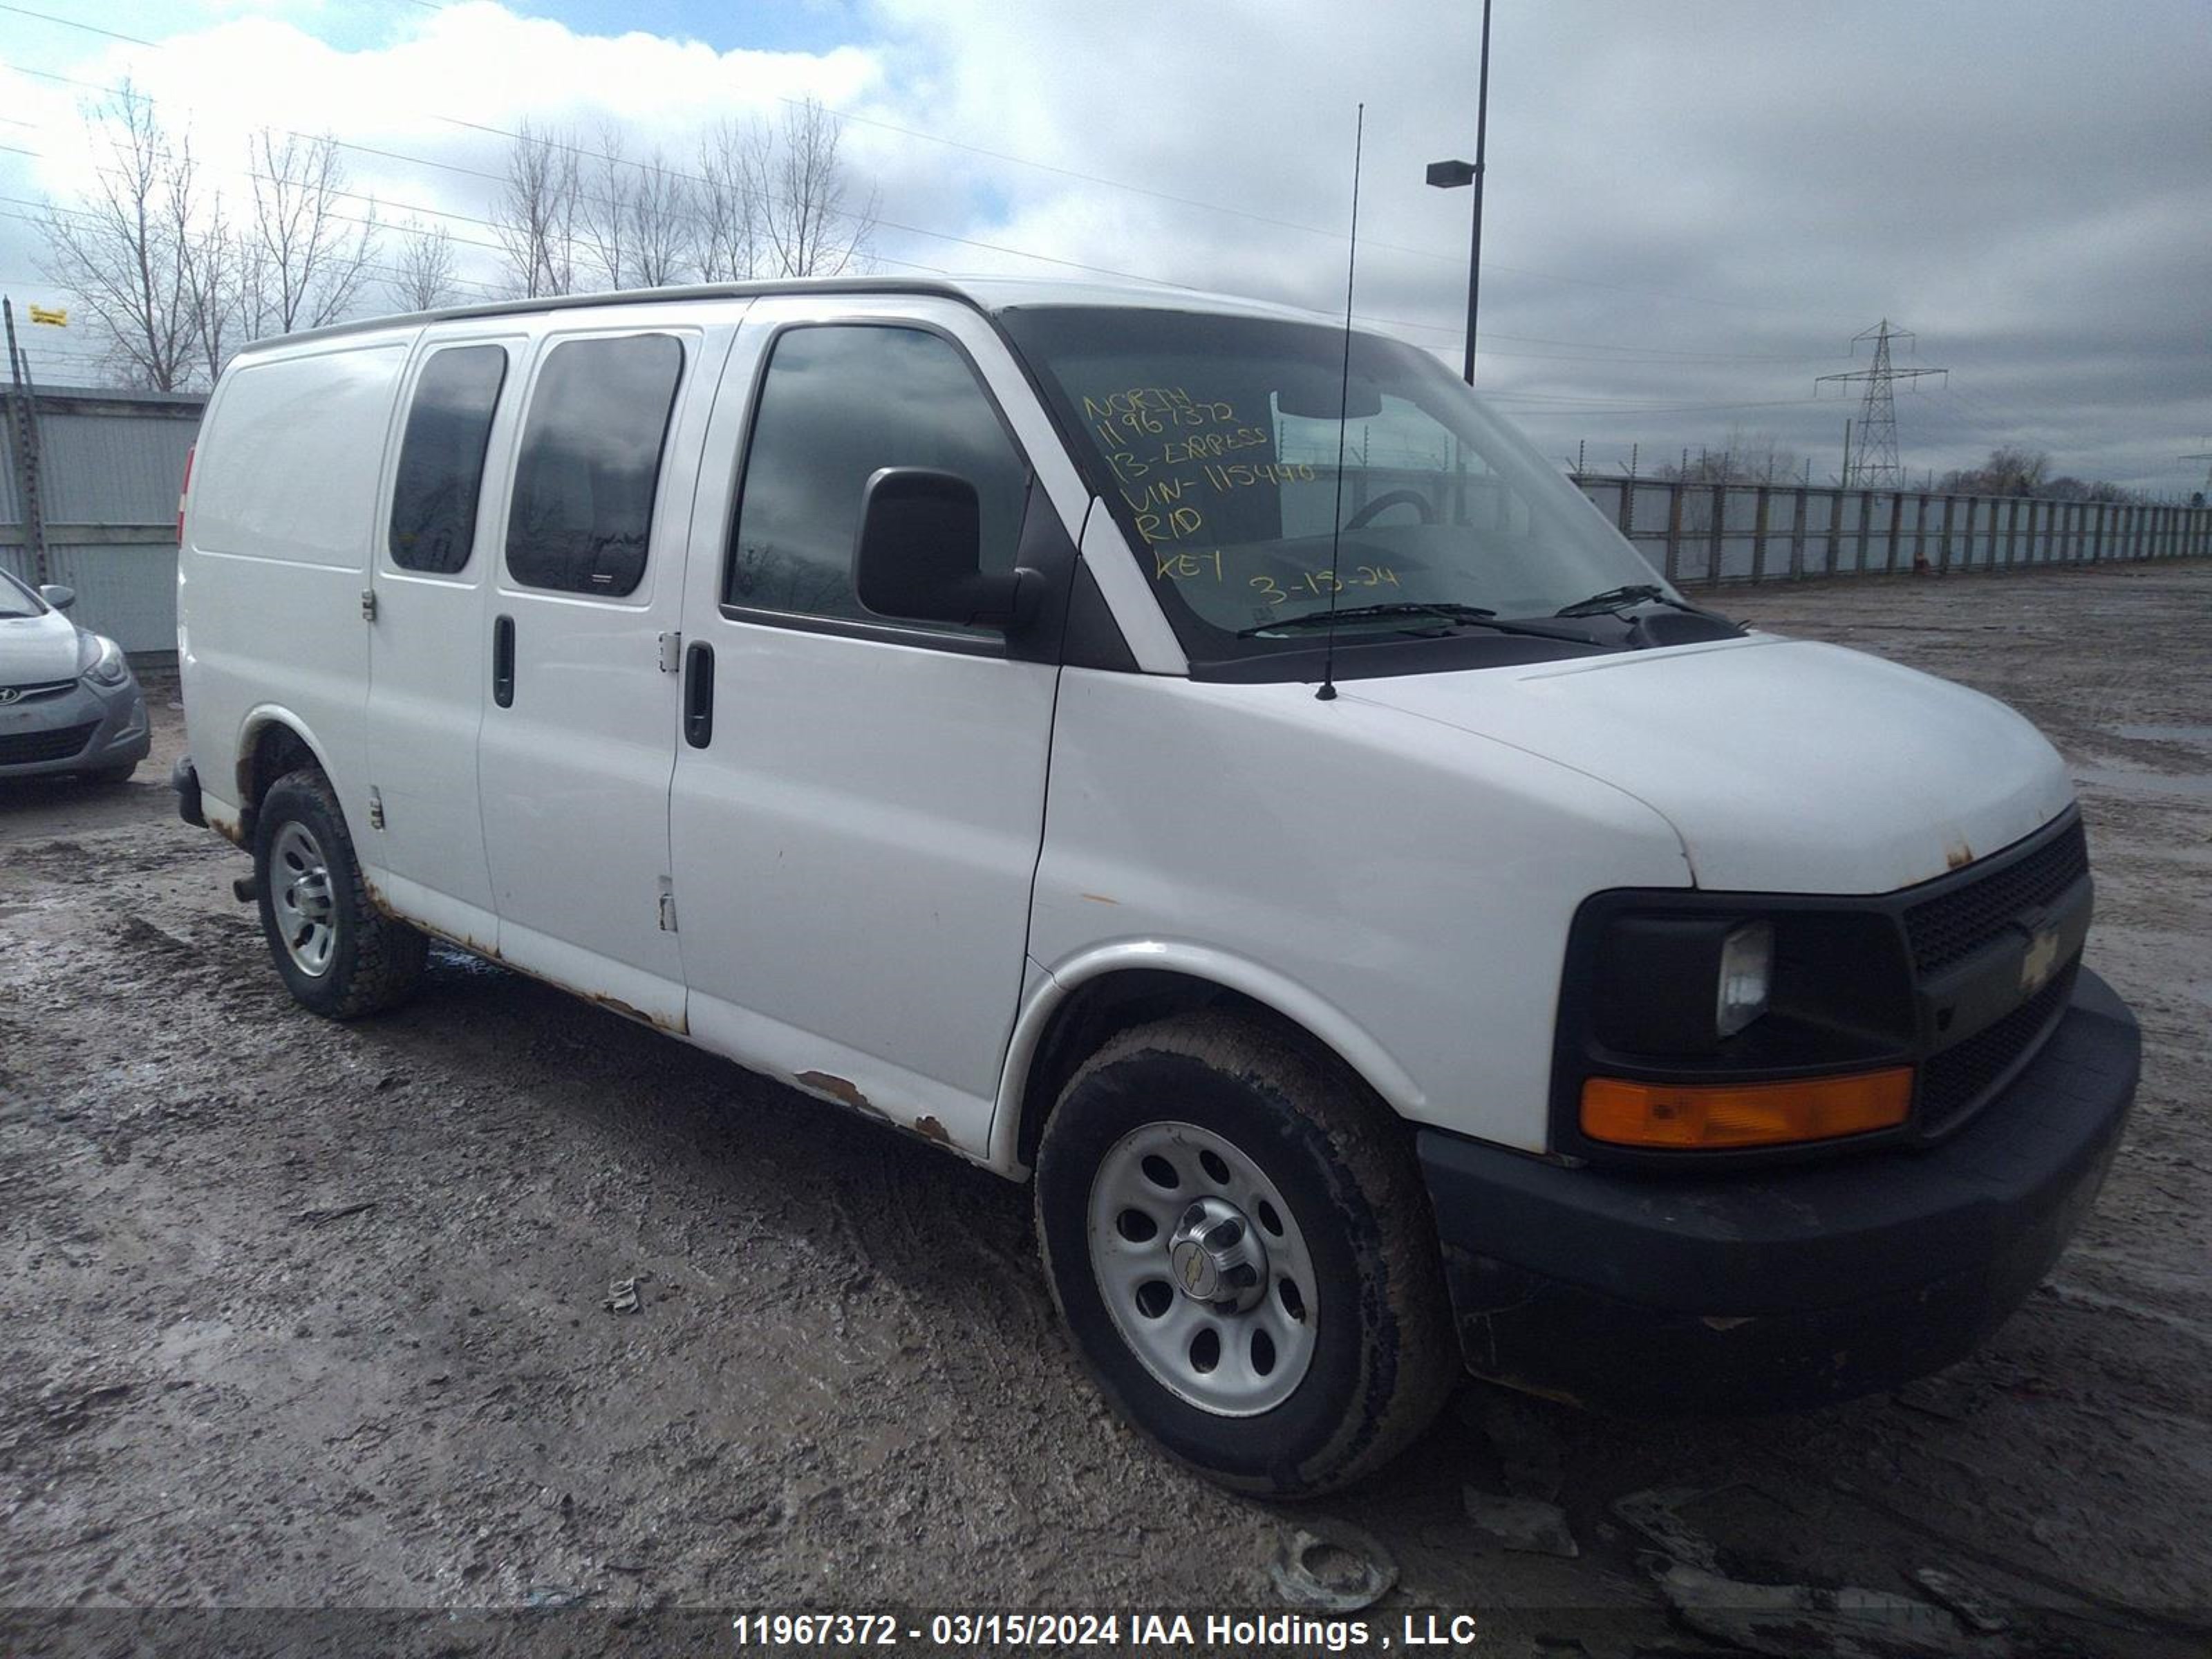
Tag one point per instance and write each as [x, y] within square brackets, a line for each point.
[387, 956]
[1408, 1381]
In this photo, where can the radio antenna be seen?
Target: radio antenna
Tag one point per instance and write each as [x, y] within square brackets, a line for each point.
[1328, 691]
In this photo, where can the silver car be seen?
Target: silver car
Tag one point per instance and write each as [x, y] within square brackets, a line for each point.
[68, 701]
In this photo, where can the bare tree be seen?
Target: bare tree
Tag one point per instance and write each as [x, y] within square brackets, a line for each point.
[423, 278]
[664, 215]
[637, 217]
[1746, 457]
[212, 263]
[2011, 470]
[537, 218]
[123, 253]
[726, 228]
[604, 210]
[308, 260]
[806, 227]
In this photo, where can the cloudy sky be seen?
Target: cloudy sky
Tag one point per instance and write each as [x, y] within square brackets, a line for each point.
[1692, 207]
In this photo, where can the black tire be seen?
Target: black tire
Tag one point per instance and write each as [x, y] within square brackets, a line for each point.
[1383, 1357]
[374, 963]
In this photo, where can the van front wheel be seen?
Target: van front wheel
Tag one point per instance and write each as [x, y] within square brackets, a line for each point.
[1237, 1235]
[336, 953]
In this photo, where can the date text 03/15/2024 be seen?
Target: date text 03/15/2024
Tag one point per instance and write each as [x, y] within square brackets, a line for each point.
[840, 1630]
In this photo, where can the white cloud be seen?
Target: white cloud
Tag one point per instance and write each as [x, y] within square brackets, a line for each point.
[1732, 191]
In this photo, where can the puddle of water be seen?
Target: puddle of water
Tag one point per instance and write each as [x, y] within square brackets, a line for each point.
[2130, 783]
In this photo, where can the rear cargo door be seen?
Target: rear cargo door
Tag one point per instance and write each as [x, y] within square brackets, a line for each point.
[437, 546]
[580, 641]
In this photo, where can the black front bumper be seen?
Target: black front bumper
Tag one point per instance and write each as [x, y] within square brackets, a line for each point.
[1763, 1291]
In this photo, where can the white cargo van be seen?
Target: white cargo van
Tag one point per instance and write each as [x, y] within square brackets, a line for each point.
[1394, 930]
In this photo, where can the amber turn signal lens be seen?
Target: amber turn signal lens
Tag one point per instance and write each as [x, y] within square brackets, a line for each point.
[1696, 1116]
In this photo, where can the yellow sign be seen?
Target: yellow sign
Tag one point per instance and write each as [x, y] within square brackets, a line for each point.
[53, 314]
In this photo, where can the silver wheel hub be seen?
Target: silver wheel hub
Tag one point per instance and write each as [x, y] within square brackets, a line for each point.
[1202, 1268]
[301, 897]
[1218, 1257]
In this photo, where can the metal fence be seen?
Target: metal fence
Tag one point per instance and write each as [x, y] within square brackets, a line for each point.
[110, 467]
[110, 464]
[1703, 532]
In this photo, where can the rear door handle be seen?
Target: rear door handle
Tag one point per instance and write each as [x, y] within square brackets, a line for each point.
[699, 693]
[502, 662]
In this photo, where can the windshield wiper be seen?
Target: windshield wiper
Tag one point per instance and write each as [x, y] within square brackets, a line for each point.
[1619, 599]
[1436, 611]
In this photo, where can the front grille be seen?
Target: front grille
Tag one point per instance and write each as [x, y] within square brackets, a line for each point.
[1954, 1082]
[44, 689]
[1953, 927]
[29, 748]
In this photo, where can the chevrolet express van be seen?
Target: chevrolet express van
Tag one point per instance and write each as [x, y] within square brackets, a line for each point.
[1148, 745]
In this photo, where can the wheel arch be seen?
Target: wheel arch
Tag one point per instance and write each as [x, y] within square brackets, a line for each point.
[273, 740]
[1083, 1002]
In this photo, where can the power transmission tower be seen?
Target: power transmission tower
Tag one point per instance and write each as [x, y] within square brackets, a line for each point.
[1871, 462]
[2204, 455]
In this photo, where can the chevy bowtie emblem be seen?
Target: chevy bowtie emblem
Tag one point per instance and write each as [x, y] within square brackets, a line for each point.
[9, 694]
[2042, 958]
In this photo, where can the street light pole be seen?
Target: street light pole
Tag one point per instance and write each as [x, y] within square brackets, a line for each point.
[1449, 175]
[1481, 137]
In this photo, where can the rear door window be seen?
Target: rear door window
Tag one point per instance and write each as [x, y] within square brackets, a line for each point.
[442, 458]
[590, 464]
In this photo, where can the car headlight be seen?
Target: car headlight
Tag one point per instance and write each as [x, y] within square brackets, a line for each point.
[1683, 984]
[1694, 1022]
[100, 660]
[1746, 977]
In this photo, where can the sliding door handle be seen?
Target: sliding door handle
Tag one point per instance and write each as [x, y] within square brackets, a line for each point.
[502, 662]
[699, 693]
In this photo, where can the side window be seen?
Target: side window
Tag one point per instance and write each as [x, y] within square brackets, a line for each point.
[837, 403]
[442, 458]
[590, 464]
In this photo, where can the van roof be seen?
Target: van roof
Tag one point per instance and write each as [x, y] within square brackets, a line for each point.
[985, 293]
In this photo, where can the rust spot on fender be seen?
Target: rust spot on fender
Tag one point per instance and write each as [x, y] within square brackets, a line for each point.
[1959, 857]
[378, 902]
[229, 831]
[837, 1088]
[930, 1129]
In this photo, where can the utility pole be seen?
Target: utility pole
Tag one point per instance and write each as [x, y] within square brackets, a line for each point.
[23, 435]
[2203, 455]
[1875, 466]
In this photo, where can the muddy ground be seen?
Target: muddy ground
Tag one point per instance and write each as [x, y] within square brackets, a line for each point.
[308, 1316]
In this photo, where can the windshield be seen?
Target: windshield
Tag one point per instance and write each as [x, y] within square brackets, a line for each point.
[17, 600]
[1215, 441]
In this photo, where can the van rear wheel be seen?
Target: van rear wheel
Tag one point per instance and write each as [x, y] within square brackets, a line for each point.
[336, 953]
[1237, 1235]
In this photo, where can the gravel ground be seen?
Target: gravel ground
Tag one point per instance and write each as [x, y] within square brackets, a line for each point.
[314, 1318]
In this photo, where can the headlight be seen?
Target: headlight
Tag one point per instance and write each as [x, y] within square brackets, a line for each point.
[100, 660]
[1747, 976]
[1696, 1022]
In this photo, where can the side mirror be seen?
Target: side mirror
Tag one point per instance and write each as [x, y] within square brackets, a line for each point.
[918, 555]
[57, 595]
